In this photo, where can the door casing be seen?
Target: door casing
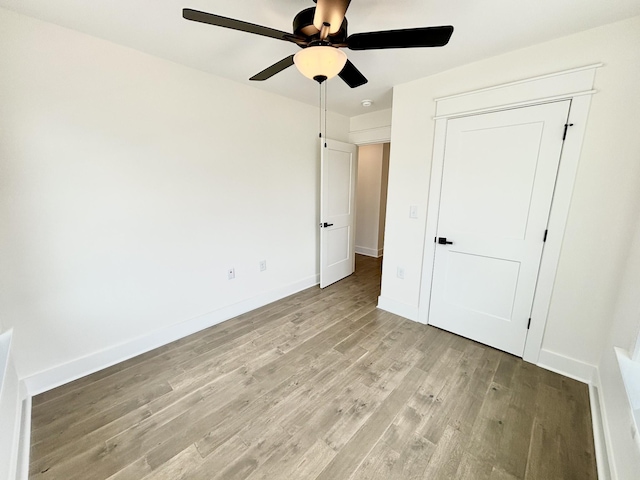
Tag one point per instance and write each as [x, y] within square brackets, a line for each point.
[575, 85]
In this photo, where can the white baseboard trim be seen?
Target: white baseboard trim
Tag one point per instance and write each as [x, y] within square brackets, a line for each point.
[398, 308]
[567, 366]
[369, 252]
[78, 368]
[600, 430]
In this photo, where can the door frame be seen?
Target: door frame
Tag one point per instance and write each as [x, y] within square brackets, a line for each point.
[325, 145]
[372, 136]
[575, 85]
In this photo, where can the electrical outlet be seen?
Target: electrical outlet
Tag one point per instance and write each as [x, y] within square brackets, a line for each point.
[231, 273]
[263, 265]
[400, 272]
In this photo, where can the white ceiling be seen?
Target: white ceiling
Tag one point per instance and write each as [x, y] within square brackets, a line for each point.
[482, 29]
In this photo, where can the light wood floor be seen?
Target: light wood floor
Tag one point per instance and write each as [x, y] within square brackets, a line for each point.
[320, 385]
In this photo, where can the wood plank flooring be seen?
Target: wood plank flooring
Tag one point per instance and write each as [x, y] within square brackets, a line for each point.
[319, 385]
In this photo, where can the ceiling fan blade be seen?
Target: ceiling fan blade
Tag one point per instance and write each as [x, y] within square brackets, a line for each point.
[211, 19]
[406, 38]
[352, 76]
[331, 12]
[273, 69]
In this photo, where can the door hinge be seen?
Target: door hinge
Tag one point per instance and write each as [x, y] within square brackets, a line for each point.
[529, 324]
[545, 235]
[566, 127]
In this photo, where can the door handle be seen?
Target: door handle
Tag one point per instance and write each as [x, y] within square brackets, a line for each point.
[325, 225]
[443, 241]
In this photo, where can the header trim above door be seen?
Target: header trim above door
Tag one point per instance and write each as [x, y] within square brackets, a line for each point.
[562, 85]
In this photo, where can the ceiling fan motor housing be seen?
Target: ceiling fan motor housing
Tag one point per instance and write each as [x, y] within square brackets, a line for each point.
[312, 29]
[303, 26]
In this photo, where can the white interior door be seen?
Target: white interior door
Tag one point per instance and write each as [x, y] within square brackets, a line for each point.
[337, 216]
[497, 186]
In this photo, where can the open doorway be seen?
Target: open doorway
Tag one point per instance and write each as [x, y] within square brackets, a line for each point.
[371, 199]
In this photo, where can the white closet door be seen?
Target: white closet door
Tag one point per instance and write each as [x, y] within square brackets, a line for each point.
[497, 187]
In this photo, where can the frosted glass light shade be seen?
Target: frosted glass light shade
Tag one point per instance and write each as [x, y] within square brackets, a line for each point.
[320, 61]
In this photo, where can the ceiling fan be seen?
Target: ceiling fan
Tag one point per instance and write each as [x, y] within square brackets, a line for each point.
[321, 31]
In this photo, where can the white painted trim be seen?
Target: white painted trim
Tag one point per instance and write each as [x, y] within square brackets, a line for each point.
[563, 193]
[544, 88]
[580, 101]
[599, 436]
[11, 396]
[369, 252]
[630, 373]
[431, 226]
[65, 373]
[526, 80]
[398, 308]
[511, 106]
[17, 444]
[24, 447]
[635, 355]
[5, 349]
[567, 366]
[371, 136]
[610, 462]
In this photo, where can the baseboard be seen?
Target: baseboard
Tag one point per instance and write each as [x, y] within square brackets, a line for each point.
[369, 252]
[567, 366]
[601, 437]
[65, 373]
[398, 308]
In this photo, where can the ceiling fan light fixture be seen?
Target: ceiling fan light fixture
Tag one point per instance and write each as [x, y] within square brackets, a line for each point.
[320, 61]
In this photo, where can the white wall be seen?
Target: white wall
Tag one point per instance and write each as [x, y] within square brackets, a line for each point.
[370, 128]
[607, 188]
[129, 184]
[369, 196]
[370, 120]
